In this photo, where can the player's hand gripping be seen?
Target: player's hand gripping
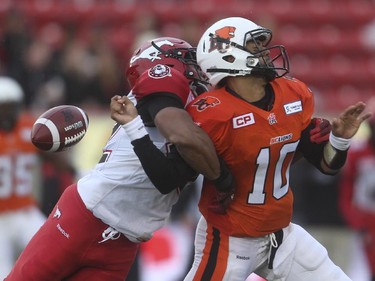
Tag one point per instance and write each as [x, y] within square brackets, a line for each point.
[122, 109]
[321, 130]
[224, 190]
[347, 124]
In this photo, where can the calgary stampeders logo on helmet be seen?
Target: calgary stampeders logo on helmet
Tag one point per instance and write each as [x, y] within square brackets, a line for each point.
[159, 71]
[206, 102]
[151, 53]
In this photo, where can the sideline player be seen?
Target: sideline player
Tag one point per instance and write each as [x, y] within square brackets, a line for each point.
[95, 229]
[20, 216]
[357, 193]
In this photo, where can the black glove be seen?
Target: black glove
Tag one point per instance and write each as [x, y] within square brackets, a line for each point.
[225, 187]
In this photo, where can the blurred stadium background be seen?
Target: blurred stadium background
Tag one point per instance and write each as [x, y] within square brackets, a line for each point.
[76, 52]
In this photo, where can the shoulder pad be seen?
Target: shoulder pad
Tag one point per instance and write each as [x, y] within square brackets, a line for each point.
[162, 79]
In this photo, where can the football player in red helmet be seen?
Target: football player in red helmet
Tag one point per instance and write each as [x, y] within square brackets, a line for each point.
[170, 51]
[94, 231]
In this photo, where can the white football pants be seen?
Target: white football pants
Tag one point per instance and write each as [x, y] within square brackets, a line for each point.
[298, 257]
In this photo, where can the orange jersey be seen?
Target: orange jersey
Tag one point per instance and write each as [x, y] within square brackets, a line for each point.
[18, 164]
[258, 147]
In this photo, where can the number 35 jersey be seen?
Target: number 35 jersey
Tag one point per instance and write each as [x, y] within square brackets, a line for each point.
[258, 146]
[19, 166]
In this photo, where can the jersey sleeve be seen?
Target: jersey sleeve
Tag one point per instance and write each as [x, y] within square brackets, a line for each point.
[307, 103]
[162, 79]
[211, 115]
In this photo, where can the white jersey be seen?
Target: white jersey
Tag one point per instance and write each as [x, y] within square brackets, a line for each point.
[119, 193]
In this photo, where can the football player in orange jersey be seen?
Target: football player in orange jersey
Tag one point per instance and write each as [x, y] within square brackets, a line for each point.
[258, 118]
[20, 218]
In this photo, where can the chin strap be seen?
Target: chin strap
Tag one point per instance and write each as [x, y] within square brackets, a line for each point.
[198, 88]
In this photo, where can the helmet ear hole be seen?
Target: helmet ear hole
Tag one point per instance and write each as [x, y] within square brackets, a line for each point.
[229, 58]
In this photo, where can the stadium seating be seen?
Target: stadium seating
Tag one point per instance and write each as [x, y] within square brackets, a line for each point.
[324, 38]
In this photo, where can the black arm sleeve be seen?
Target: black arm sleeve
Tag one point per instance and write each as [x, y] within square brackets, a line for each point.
[165, 172]
[313, 152]
[150, 105]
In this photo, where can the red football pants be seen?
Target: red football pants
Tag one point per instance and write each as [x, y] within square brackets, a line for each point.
[67, 247]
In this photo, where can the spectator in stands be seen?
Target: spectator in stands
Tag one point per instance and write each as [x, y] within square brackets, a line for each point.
[15, 39]
[41, 67]
[368, 35]
[89, 69]
[144, 27]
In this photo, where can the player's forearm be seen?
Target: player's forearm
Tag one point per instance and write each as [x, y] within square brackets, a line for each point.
[165, 172]
[192, 142]
[201, 159]
[334, 154]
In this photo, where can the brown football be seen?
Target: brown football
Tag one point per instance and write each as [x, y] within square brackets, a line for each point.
[59, 128]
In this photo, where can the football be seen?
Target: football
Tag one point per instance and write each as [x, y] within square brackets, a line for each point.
[59, 128]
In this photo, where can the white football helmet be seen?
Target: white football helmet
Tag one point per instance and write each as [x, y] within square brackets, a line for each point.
[11, 98]
[222, 52]
[10, 90]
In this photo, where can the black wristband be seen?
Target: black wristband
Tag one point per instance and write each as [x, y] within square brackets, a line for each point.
[225, 182]
[338, 160]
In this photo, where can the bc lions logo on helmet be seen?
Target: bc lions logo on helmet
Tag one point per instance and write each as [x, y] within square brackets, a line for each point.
[206, 102]
[224, 33]
[159, 71]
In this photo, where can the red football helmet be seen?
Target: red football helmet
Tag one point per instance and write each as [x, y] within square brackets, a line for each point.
[170, 51]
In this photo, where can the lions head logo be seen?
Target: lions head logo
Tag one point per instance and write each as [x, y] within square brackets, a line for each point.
[159, 71]
[206, 102]
[226, 32]
[221, 38]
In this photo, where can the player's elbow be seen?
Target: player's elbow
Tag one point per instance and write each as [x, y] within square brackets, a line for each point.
[181, 140]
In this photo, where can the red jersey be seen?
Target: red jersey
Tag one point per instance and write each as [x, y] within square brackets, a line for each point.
[162, 79]
[258, 146]
[357, 187]
[18, 165]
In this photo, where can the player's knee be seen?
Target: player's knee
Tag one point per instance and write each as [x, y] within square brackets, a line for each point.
[310, 254]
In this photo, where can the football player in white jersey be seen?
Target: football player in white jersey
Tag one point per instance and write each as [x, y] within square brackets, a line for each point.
[94, 231]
